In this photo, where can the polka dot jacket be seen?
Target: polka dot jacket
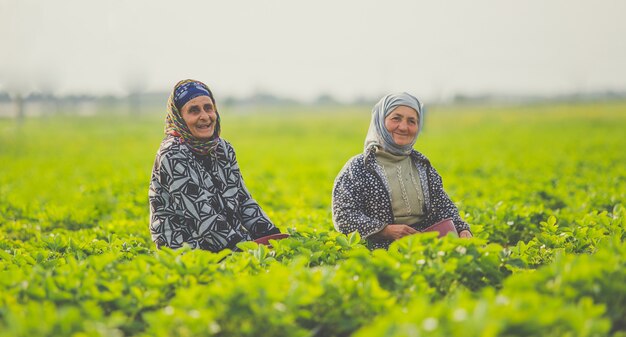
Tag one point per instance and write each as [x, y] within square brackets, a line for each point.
[361, 198]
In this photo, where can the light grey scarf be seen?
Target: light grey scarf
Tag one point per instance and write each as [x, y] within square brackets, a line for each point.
[378, 135]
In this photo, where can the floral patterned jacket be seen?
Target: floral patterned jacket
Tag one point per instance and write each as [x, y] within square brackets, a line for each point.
[361, 198]
[202, 203]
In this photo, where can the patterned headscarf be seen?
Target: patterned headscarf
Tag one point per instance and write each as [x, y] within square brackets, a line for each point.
[378, 135]
[176, 126]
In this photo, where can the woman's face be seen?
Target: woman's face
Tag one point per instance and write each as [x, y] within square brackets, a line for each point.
[402, 123]
[200, 116]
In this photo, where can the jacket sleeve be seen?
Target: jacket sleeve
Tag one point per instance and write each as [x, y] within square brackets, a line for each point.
[166, 215]
[253, 218]
[442, 205]
[348, 205]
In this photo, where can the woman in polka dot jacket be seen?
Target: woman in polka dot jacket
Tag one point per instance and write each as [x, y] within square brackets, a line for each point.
[391, 190]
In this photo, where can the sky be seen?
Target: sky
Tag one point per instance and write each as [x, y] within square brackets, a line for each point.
[301, 49]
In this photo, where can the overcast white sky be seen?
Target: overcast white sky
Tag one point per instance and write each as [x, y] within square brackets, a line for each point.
[349, 48]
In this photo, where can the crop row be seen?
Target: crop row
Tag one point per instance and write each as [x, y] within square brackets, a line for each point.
[315, 282]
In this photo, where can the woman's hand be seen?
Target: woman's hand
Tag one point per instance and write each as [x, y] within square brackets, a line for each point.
[395, 232]
[465, 234]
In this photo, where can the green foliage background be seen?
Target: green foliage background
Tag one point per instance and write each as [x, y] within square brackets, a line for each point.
[543, 187]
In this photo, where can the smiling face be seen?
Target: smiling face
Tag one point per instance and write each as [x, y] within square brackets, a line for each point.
[402, 123]
[200, 116]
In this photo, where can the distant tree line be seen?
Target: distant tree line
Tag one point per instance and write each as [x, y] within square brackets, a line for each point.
[151, 101]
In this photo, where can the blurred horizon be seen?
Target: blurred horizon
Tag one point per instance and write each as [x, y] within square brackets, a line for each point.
[39, 104]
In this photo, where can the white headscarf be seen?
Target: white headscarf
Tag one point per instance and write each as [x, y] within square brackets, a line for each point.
[378, 135]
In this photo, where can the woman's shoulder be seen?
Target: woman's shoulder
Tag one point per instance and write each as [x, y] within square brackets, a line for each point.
[420, 157]
[356, 162]
[425, 163]
[169, 146]
[226, 148]
[171, 149]
[354, 166]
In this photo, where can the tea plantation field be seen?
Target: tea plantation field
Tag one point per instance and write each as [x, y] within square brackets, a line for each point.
[543, 186]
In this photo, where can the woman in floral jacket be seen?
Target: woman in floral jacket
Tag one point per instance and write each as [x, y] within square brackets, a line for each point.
[391, 190]
[197, 195]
